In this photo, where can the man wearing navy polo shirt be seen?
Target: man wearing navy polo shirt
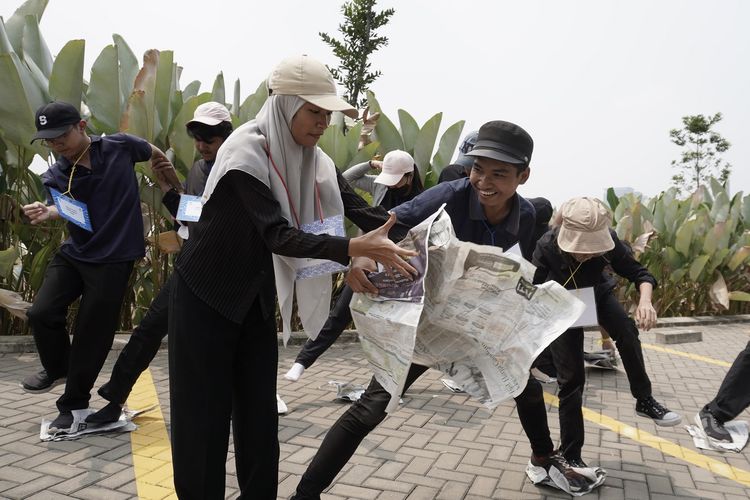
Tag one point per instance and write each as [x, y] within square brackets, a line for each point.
[93, 186]
[484, 209]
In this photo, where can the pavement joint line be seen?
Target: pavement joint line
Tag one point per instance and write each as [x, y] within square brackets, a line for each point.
[694, 357]
[663, 445]
[151, 474]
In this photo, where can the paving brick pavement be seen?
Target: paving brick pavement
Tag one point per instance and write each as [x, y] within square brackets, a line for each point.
[438, 445]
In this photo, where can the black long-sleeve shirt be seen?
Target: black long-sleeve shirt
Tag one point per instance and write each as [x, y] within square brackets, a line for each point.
[227, 260]
[553, 264]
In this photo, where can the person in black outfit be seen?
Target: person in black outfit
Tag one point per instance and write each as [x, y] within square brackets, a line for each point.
[209, 128]
[95, 262]
[484, 209]
[575, 254]
[397, 183]
[731, 400]
[270, 182]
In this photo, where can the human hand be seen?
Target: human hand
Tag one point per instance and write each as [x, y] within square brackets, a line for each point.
[376, 164]
[378, 247]
[357, 278]
[38, 212]
[165, 173]
[645, 315]
[608, 345]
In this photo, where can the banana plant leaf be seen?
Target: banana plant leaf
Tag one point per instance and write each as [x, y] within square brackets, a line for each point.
[166, 84]
[365, 154]
[138, 118]
[409, 130]
[447, 146]
[741, 296]
[352, 141]
[718, 292]
[334, 144]
[34, 46]
[16, 113]
[739, 258]
[697, 267]
[218, 92]
[426, 143]
[8, 258]
[236, 98]
[16, 23]
[129, 68]
[66, 79]
[191, 90]
[385, 131]
[104, 97]
[253, 103]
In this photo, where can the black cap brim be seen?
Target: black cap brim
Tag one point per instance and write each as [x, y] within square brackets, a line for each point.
[51, 133]
[495, 155]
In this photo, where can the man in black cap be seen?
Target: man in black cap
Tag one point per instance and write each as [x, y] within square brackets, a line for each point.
[484, 209]
[93, 186]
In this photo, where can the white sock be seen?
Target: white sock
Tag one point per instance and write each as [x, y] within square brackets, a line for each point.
[295, 372]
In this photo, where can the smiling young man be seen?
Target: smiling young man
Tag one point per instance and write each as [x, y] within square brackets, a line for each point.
[94, 178]
[484, 209]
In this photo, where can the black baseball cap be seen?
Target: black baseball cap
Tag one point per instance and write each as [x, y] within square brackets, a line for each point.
[503, 141]
[54, 119]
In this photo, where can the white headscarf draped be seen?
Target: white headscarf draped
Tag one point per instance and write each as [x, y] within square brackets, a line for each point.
[300, 167]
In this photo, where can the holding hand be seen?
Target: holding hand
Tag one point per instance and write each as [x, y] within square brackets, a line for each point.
[378, 247]
[38, 212]
[357, 277]
[166, 175]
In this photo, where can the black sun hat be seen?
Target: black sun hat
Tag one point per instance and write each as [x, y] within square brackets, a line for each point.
[54, 119]
[503, 141]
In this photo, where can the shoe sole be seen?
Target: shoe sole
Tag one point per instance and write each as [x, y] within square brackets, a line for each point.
[662, 422]
[46, 389]
[713, 441]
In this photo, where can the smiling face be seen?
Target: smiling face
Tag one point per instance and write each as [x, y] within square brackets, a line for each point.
[208, 147]
[309, 123]
[495, 183]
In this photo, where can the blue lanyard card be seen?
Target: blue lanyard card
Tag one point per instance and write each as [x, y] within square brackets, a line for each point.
[190, 208]
[72, 210]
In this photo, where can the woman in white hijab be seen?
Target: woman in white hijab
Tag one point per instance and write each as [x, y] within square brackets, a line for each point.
[269, 191]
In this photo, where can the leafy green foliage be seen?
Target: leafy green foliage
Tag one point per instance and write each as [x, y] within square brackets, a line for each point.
[360, 41]
[700, 158]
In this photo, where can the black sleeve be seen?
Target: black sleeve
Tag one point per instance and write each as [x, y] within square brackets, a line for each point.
[363, 215]
[262, 210]
[171, 200]
[539, 259]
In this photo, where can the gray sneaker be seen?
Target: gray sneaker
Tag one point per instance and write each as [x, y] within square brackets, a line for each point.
[40, 382]
[711, 427]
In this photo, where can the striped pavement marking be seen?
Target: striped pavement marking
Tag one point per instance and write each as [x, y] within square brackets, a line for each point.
[694, 357]
[667, 447]
[152, 452]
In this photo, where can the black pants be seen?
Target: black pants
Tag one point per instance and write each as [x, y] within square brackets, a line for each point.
[339, 318]
[567, 354]
[221, 371]
[365, 414]
[734, 394]
[140, 350]
[101, 288]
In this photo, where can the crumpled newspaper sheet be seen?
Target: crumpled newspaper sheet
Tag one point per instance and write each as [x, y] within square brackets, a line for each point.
[14, 303]
[738, 429]
[604, 359]
[555, 479]
[347, 391]
[81, 428]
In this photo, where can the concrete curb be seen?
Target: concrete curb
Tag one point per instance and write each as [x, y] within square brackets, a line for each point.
[25, 343]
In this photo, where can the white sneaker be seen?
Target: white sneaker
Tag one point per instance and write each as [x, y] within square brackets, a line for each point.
[295, 372]
[280, 405]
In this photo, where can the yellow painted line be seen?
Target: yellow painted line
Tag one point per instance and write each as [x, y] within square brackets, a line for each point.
[152, 453]
[667, 447]
[694, 357]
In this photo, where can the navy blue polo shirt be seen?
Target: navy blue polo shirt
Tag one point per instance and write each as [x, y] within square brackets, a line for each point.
[467, 215]
[110, 190]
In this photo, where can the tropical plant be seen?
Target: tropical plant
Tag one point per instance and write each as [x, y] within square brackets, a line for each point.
[700, 158]
[697, 248]
[359, 43]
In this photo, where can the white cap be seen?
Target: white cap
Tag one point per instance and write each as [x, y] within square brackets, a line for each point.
[309, 79]
[211, 113]
[395, 165]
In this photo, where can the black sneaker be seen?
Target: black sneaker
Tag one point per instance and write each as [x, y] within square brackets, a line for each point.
[651, 408]
[712, 427]
[577, 462]
[62, 423]
[40, 382]
[558, 469]
[108, 414]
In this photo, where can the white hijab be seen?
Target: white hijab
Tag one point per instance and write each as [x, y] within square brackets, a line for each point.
[300, 168]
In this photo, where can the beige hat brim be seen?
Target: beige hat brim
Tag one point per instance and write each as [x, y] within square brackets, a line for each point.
[572, 241]
[388, 179]
[332, 103]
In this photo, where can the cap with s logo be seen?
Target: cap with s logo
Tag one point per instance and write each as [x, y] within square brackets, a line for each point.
[54, 119]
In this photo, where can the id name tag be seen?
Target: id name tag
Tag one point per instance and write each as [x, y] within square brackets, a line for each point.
[589, 317]
[72, 210]
[190, 208]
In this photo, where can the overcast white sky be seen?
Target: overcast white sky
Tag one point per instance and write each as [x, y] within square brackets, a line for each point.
[598, 84]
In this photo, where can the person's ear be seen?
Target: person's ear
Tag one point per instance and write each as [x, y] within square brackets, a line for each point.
[524, 176]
